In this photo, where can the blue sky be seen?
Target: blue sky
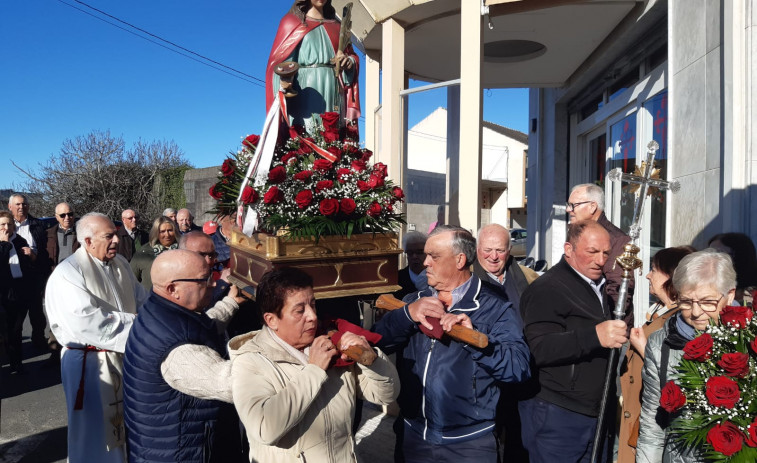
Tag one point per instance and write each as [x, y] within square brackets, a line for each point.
[65, 73]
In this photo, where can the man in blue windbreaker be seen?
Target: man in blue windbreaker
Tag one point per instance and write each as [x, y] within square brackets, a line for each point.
[449, 392]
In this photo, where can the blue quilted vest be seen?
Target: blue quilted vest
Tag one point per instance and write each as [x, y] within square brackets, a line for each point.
[163, 424]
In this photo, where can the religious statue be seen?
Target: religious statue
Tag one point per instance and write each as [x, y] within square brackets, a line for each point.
[309, 35]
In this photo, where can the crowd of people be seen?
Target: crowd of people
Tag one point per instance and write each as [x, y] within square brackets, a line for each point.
[139, 322]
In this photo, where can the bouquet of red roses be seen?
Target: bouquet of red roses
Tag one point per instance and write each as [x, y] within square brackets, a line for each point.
[319, 183]
[716, 390]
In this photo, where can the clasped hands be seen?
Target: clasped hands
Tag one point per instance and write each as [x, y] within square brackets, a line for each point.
[322, 350]
[432, 307]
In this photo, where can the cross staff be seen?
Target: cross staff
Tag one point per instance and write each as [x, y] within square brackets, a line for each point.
[629, 261]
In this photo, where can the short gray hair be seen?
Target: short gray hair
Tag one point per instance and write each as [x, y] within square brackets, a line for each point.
[462, 241]
[169, 210]
[592, 193]
[413, 237]
[85, 227]
[704, 268]
[17, 195]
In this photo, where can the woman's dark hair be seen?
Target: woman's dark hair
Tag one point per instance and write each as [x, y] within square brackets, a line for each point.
[744, 257]
[300, 9]
[665, 261]
[275, 286]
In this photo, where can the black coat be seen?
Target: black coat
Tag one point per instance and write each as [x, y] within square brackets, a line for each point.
[515, 281]
[127, 247]
[561, 312]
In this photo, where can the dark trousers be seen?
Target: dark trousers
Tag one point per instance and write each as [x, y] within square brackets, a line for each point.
[551, 433]
[36, 313]
[15, 313]
[480, 450]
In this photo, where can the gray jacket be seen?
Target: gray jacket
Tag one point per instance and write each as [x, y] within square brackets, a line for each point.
[655, 444]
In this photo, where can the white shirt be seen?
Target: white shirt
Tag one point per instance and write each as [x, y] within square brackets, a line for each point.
[23, 230]
[74, 315]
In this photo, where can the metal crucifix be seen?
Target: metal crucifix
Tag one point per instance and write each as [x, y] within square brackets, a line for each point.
[644, 178]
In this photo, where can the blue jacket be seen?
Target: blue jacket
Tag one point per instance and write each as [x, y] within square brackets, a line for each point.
[449, 390]
[163, 424]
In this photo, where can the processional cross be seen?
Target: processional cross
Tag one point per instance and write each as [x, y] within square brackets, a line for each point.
[643, 178]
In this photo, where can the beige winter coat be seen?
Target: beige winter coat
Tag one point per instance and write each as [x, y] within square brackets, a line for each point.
[298, 413]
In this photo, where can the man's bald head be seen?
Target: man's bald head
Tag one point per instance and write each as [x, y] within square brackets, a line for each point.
[199, 242]
[64, 215]
[182, 277]
[493, 248]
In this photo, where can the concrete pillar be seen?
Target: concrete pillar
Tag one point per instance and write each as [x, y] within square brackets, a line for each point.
[452, 190]
[471, 106]
[372, 92]
[392, 82]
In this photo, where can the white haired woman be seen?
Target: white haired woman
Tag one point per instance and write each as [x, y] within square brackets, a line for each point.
[706, 283]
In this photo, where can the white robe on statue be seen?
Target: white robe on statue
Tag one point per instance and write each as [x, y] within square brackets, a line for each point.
[91, 303]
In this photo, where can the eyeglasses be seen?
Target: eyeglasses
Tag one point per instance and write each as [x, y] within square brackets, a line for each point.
[130, 218]
[705, 305]
[212, 255]
[208, 280]
[572, 206]
[66, 214]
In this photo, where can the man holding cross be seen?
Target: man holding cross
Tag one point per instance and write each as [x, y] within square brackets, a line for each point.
[449, 392]
[587, 202]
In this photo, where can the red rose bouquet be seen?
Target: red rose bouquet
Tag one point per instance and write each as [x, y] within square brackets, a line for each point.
[319, 183]
[715, 390]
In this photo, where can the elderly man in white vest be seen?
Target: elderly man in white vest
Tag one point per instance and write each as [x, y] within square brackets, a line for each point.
[91, 302]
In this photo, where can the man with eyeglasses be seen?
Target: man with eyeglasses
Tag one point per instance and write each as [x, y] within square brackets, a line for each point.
[130, 238]
[175, 362]
[91, 300]
[34, 232]
[587, 202]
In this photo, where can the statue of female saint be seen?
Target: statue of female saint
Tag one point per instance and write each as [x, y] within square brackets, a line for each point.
[309, 36]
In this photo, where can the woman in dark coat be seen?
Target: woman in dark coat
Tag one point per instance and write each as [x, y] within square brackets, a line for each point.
[15, 274]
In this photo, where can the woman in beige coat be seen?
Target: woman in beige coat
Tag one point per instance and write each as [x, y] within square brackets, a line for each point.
[294, 406]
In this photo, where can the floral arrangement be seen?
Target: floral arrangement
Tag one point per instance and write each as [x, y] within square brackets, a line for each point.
[714, 396]
[319, 183]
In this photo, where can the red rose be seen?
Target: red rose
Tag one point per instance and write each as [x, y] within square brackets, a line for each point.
[273, 195]
[388, 207]
[228, 167]
[304, 198]
[214, 193]
[350, 150]
[288, 157]
[735, 365]
[330, 136]
[726, 438]
[329, 206]
[374, 210]
[251, 141]
[671, 397]
[753, 345]
[303, 176]
[366, 155]
[379, 169]
[277, 175]
[751, 434]
[304, 149]
[375, 181]
[322, 165]
[323, 185]
[699, 348]
[347, 205]
[352, 131]
[336, 152]
[398, 193]
[357, 165]
[722, 391]
[363, 186]
[249, 195]
[736, 316]
[330, 121]
[341, 173]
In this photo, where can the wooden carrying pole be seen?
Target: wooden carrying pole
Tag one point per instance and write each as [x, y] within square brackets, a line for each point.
[458, 332]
